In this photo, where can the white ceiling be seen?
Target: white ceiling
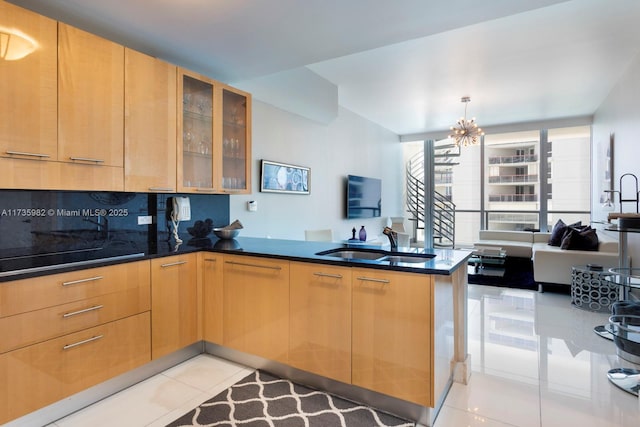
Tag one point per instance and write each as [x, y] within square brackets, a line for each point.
[403, 64]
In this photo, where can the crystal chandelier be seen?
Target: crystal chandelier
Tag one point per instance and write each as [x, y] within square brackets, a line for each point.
[466, 132]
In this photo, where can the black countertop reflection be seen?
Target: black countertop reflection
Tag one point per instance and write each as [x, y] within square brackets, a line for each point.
[135, 247]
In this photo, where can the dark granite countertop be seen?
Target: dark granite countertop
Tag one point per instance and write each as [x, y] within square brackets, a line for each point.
[444, 262]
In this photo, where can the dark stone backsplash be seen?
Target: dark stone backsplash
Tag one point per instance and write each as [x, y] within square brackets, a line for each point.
[37, 222]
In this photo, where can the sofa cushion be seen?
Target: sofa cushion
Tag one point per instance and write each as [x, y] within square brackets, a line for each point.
[516, 236]
[580, 238]
[559, 230]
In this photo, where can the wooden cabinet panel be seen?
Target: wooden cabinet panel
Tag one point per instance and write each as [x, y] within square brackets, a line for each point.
[19, 296]
[256, 306]
[174, 304]
[211, 266]
[150, 124]
[195, 152]
[320, 320]
[39, 325]
[90, 91]
[27, 174]
[392, 334]
[233, 140]
[39, 375]
[28, 87]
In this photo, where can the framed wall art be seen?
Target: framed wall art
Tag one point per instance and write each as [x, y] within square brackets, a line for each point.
[278, 177]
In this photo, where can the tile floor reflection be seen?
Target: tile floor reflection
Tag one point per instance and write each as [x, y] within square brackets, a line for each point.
[535, 363]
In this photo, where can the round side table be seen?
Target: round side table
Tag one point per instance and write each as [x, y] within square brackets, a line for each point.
[591, 291]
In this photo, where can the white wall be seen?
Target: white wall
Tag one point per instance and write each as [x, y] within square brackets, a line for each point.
[619, 114]
[349, 144]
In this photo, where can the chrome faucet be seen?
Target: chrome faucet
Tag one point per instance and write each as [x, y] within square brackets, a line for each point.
[393, 238]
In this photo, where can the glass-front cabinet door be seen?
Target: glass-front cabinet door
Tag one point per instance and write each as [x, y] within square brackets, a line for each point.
[195, 133]
[235, 164]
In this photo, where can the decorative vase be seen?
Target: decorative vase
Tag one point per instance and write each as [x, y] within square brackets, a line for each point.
[363, 234]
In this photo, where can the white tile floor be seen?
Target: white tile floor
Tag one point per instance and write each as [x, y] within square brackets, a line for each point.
[536, 363]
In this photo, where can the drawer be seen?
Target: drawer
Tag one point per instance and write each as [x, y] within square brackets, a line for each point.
[24, 295]
[41, 374]
[40, 325]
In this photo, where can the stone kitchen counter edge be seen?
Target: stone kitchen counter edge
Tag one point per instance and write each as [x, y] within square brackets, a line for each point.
[445, 262]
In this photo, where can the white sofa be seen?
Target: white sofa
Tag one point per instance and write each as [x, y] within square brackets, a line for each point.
[550, 263]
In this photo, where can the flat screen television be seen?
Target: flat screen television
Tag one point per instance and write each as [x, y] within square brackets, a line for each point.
[364, 197]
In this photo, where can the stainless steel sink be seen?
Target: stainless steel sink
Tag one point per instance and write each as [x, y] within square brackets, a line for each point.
[354, 254]
[377, 255]
[407, 258]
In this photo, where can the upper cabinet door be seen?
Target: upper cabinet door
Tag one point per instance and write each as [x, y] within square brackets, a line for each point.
[149, 124]
[28, 90]
[91, 91]
[235, 164]
[195, 132]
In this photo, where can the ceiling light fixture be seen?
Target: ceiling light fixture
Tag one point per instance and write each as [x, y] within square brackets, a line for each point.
[466, 132]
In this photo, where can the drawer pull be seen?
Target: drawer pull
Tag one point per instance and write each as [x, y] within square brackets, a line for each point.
[86, 159]
[86, 310]
[75, 282]
[160, 189]
[22, 153]
[171, 264]
[333, 276]
[269, 267]
[210, 259]
[88, 340]
[371, 279]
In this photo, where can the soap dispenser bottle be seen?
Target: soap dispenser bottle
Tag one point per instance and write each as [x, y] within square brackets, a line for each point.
[363, 234]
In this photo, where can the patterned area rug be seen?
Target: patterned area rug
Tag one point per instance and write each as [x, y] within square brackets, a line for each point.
[264, 400]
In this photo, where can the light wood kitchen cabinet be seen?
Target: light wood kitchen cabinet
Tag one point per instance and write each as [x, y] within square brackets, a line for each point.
[256, 306]
[41, 374]
[214, 136]
[392, 334]
[28, 87]
[195, 132]
[234, 169]
[211, 270]
[175, 309]
[90, 98]
[63, 333]
[320, 320]
[20, 296]
[149, 124]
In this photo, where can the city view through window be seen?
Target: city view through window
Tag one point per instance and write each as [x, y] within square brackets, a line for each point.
[514, 181]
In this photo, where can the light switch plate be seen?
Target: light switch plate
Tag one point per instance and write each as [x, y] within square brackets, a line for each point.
[145, 220]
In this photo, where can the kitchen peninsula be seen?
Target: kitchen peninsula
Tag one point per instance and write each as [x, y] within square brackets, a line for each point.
[386, 331]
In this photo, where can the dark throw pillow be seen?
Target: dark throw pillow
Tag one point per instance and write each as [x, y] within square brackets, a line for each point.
[559, 231]
[580, 238]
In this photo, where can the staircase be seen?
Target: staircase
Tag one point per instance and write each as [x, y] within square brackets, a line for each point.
[445, 155]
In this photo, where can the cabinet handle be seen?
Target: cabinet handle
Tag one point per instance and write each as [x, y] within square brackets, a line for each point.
[75, 282]
[86, 310]
[210, 259]
[270, 267]
[333, 276]
[160, 189]
[86, 159]
[22, 153]
[205, 190]
[171, 264]
[88, 340]
[371, 279]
